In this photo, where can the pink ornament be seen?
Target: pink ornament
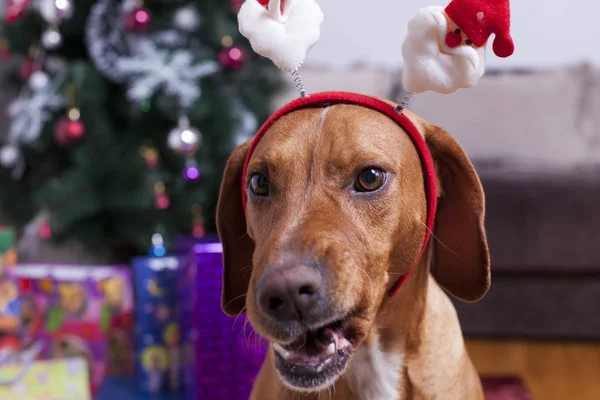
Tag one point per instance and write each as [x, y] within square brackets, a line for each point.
[44, 230]
[15, 10]
[68, 132]
[162, 202]
[232, 58]
[198, 230]
[138, 20]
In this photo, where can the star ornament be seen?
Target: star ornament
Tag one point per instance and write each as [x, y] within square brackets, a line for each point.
[281, 31]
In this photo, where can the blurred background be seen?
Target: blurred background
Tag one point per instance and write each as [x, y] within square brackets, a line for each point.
[116, 119]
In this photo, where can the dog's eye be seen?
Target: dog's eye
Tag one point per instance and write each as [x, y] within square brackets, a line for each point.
[370, 180]
[259, 184]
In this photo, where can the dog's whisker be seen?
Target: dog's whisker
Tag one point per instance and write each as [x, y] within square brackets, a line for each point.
[438, 239]
[238, 316]
[240, 238]
[234, 299]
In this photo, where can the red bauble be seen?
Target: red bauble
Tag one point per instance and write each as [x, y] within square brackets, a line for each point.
[28, 67]
[232, 57]
[138, 20]
[68, 132]
[45, 230]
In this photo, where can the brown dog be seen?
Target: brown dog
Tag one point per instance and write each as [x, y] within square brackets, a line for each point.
[335, 215]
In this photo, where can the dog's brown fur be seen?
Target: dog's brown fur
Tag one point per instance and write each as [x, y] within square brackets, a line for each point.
[367, 244]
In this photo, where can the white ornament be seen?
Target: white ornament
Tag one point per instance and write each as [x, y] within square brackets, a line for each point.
[184, 139]
[54, 11]
[286, 37]
[38, 80]
[187, 19]
[9, 155]
[51, 39]
[150, 68]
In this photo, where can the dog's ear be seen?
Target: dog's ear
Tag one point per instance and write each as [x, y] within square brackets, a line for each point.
[461, 256]
[238, 247]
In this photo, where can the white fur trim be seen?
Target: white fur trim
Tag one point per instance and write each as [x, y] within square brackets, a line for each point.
[284, 38]
[373, 374]
[426, 67]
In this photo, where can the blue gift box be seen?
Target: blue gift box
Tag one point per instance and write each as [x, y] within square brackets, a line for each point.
[156, 326]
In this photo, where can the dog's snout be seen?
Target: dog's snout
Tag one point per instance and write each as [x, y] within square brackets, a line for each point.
[288, 294]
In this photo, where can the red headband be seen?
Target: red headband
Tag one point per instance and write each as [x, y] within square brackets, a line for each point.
[330, 98]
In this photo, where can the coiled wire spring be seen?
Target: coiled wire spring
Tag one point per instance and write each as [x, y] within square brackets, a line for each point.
[299, 84]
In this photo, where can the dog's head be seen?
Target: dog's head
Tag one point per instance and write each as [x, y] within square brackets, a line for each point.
[335, 214]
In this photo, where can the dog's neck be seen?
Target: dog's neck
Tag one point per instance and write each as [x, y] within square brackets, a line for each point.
[407, 330]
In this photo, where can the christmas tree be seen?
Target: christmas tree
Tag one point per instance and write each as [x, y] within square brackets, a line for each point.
[127, 113]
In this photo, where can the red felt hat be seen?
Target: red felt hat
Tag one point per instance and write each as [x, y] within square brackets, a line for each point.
[478, 19]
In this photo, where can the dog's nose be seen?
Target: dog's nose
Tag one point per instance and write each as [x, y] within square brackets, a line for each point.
[289, 294]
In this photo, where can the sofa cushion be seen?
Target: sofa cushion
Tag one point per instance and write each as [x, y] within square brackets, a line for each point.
[543, 221]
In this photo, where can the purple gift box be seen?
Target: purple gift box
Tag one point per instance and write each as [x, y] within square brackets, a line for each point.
[221, 355]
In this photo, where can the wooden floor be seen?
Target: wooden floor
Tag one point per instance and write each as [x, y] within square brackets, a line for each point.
[551, 371]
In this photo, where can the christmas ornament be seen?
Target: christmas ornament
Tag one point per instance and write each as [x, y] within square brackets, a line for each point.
[187, 19]
[138, 20]
[158, 248]
[9, 155]
[69, 130]
[161, 201]
[191, 172]
[232, 57]
[38, 80]
[15, 10]
[44, 230]
[51, 38]
[184, 139]
[151, 68]
[150, 155]
[281, 32]
[197, 223]
[445, 48]
[55, 11]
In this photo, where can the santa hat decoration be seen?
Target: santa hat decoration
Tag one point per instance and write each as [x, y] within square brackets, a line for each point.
[281, 31]
[478, 19]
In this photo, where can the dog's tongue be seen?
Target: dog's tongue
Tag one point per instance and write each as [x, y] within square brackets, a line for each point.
[313, 342]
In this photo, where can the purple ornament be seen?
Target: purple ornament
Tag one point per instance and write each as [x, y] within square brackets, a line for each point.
[191, 171]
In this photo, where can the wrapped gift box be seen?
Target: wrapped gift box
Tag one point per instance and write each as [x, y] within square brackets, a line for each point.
[221, 355]
[9, 292]
[79, 311]
[48, 380]
[156, 325]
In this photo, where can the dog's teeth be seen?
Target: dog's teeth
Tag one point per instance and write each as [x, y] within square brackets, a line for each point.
[281, 351]
[331, 349]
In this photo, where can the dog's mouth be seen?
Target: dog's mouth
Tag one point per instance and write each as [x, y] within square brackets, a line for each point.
[316, 358]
